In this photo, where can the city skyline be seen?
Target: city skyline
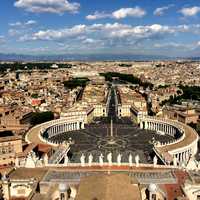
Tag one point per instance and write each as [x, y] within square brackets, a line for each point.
[47, 27]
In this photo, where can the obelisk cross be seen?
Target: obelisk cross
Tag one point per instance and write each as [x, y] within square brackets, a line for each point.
[111, 128]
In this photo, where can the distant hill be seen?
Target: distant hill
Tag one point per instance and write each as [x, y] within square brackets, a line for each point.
[89, 57]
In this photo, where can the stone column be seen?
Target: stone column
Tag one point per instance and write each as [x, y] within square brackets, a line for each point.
[141, 125]
[65, 127]
[182, 156]
[77, 124]
[83, 125]
[175, 160]
[145, 125]
[151, 125]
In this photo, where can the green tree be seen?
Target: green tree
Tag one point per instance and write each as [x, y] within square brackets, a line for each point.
[198, 128]
[75, 82]
[38, 118]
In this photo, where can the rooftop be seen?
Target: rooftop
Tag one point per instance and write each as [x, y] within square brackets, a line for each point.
[108, 187]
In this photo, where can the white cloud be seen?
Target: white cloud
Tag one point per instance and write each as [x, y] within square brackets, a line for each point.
[170, 44]
[128, 12]
[113, 37]
[176, 46]
[118, 14]
[14, 32]
[19, 28]
[98, 15]
[15, 24]
[22, 24]
[55, 34]
[190, 11]
[48, 6]
[160, 11]
[101, 31]
[30, 22]
[2, 39]
[88, 41]
[198, 43]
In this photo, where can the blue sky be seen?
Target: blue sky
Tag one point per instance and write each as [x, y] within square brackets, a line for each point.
[141, 27]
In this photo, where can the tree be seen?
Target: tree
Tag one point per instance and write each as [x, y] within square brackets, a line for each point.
[38, 118]
[75, 82]
[198, 128]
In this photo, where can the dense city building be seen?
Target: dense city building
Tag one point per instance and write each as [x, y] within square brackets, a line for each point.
[64, 130]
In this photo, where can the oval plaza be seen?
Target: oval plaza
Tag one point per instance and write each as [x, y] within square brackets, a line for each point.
[115, 126]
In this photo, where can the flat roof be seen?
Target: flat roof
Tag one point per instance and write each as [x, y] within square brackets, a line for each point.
[28, 173]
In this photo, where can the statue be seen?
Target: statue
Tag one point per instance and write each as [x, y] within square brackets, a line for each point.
[130, 159]
[46, 159]
[109, 158]
[39, 163]
[183, 165]
[101, 159]
[31, 160]
[155, 161]
[66, 160]
[119, 158]
[137, 160]
[90, 159]
[82, 159]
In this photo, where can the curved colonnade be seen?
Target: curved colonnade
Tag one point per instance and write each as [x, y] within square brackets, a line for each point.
[181, 148]
[43, 133]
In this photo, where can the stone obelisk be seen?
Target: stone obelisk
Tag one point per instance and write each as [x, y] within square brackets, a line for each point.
[111, 128]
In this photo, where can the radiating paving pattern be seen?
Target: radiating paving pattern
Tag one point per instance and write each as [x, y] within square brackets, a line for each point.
[127, 139]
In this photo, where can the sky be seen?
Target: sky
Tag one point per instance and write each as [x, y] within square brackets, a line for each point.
[136, 27]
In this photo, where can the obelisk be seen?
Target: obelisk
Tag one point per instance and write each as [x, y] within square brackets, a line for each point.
[111, 128]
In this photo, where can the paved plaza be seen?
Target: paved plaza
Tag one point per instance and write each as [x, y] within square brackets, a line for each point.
[126, 139]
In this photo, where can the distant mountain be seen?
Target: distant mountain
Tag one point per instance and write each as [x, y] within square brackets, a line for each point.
[89, 57]
[194, 58]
